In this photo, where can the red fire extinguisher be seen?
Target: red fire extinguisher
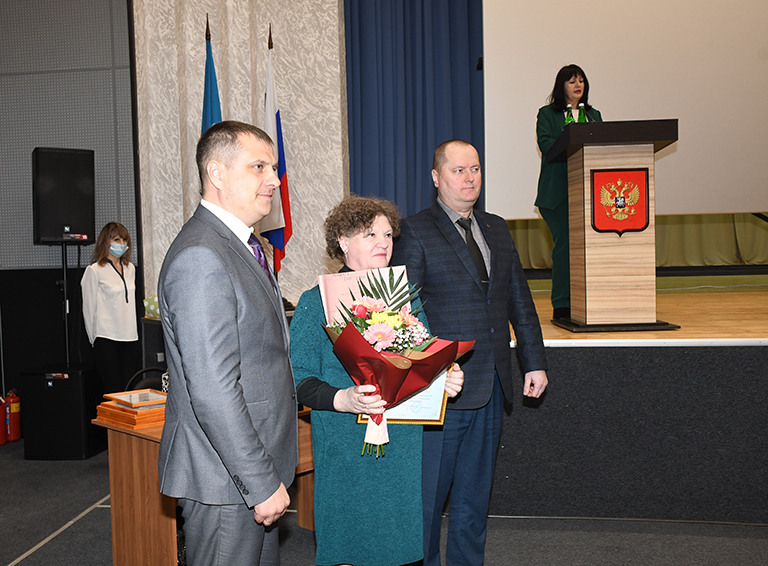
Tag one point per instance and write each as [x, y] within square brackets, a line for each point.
[4, 418]
[13, 411]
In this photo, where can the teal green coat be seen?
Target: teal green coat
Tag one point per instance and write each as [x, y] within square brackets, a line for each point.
[367, 510]
[553, 178]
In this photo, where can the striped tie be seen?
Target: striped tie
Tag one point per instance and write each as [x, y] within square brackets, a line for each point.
[258, 251]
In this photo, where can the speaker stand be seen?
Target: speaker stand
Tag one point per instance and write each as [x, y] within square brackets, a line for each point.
[65, 305]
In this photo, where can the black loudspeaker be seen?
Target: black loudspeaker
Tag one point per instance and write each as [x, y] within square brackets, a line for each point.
[63, 200]
[57, 407]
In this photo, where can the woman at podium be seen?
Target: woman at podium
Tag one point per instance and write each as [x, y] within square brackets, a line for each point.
[571, 89]
[109, 308]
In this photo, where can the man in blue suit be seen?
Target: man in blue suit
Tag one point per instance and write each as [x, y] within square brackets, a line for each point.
[473, 286]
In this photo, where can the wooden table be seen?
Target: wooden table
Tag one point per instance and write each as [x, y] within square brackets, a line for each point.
[305, 475]
[143, 519]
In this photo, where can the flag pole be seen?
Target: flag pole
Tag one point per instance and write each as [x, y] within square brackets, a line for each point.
[277, 225]
[287, 305]
[270, 45]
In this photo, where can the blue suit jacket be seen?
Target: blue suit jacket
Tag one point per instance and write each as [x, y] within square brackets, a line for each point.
[457, 307]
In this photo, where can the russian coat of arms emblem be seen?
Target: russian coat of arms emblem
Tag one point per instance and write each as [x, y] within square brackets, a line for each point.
[620, 200]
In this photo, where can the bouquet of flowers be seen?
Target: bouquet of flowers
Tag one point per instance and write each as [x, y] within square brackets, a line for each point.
[381, 342]
[384, 329]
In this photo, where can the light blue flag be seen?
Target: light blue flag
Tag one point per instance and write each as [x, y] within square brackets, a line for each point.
[211, 103]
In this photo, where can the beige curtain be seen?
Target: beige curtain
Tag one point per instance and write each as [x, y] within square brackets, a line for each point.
[310, 71]
[685, 240]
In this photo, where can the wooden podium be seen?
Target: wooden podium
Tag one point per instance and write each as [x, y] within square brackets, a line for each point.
[611, 222]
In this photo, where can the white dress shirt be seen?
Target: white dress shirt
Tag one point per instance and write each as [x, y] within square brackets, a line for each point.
[231, 221]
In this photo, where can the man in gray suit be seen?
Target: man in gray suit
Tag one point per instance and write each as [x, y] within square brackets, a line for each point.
[229, 445]
[473, 287]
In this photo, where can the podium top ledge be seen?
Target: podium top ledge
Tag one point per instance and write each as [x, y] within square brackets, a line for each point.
[660, 133]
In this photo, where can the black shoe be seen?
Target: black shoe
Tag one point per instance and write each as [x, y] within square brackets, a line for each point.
[562, 313]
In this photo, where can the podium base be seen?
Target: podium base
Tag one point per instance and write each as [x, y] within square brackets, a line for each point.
[574, 326]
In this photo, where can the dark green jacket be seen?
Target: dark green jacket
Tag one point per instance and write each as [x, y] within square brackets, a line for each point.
[553, 178]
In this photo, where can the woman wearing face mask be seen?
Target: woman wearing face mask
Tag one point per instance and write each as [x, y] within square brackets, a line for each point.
[571, 88]
[109, 308]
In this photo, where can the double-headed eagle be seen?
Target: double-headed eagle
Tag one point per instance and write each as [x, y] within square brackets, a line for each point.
[620, 199]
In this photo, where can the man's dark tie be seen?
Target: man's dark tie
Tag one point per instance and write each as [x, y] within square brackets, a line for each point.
[474, 251]
[258, 251]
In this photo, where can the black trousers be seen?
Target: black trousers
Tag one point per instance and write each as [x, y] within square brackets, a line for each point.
[116, 362]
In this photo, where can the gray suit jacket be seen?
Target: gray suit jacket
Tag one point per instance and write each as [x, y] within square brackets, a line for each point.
[230, 432]
[457, 307]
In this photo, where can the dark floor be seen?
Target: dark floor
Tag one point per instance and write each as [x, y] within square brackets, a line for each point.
[57, 513]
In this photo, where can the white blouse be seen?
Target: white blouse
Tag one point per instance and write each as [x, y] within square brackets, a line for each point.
[109, 303]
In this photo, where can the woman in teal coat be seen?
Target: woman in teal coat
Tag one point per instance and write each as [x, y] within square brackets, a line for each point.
[367, 510]
[571, 87]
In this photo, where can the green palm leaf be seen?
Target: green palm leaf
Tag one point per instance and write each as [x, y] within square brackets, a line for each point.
[394, 292]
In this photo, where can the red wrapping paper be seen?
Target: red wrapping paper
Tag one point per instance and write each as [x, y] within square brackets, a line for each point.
[396, 376]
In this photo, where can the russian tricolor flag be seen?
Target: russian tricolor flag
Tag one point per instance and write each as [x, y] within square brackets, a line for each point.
[276, 227]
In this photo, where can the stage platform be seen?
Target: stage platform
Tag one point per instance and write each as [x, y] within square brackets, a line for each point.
[711, 311]
[668, 425]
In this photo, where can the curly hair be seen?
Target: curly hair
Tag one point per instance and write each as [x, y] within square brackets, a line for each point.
[353, 215]
[110, 230]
